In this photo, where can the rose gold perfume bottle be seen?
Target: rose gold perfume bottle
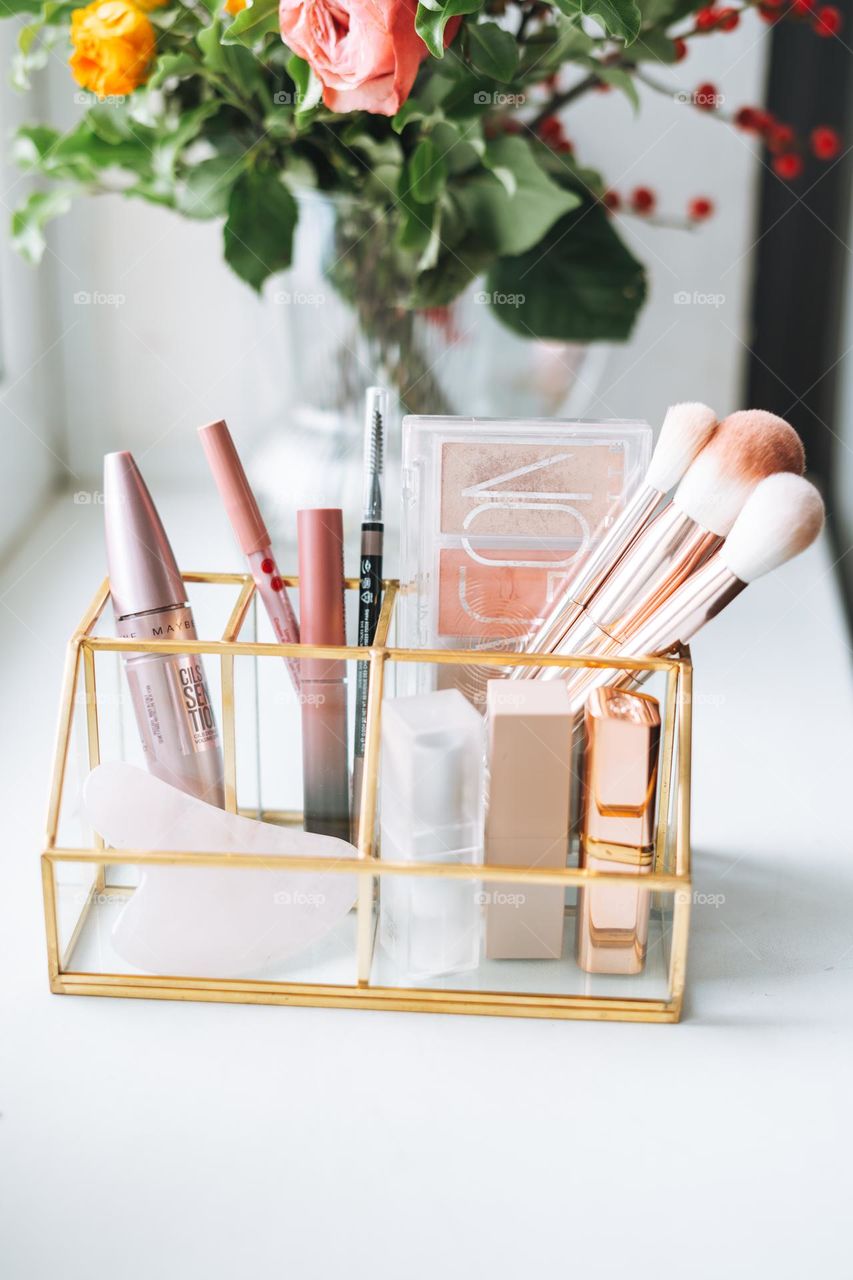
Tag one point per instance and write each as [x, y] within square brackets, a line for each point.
[622, 732]
[169, 692]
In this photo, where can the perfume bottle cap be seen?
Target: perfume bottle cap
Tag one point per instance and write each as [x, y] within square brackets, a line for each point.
[144, 575]
[620, 770]
[230, 479]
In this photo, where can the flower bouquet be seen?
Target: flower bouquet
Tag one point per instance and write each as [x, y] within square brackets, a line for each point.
[439, 125]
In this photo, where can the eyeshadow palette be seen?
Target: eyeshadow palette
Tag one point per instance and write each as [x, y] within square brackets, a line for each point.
[497, 513]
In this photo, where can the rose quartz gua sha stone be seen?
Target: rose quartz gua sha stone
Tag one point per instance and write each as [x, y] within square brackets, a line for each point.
[210, 922]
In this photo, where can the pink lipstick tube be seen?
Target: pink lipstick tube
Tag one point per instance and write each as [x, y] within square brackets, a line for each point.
[251, 533]
[168, 691]
[323, 683]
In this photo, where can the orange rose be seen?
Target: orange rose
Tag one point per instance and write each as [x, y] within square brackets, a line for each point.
[114, 45]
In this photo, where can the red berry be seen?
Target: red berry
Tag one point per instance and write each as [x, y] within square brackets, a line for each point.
[267, 565]
[826, 142]
[680, 49]
[550, 129]
[612, 201]
[706, 97]
[768, 14]
[706, 19]
[803, 7]
[788, 166]
[747, 118]
[276, 583]
[700, 208]
[780, 137]
[728, 19]
[564, 147]
[828, 21]
[643, 200]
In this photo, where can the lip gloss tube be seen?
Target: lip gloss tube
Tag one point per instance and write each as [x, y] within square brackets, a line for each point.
[622, 733]
[323, 681]
[251, 533]
[169, 692]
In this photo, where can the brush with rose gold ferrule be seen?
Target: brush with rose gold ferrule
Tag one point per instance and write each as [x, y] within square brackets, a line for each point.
[251, 534]
[171, 704]
[781, 518]
[686, 430]
[747, 447]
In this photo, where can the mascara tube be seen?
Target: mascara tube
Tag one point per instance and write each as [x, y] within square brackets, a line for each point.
[169, 693]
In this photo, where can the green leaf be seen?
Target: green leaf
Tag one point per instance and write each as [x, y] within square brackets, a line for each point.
[564, 40]
[580, 284]
[427, 172]
[512, 206]
[620, 18]
[207, 186]
[493, 50]
[173, 66]
[622, 80]
[654, 46]
[258, 234]
[8, 8]
[662, 13]
[28, 222]
[463, 147]
[433, 16]
[32, 143]
[410, 111]
[236, 63]
[309, 90]
[252, 24]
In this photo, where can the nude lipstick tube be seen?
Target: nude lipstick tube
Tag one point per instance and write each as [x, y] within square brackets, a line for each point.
[169, 691]
[622, 733]
[323, 682]
[251, 533]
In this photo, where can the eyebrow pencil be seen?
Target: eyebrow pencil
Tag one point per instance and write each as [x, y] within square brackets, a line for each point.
[369, 571]
[251, 533]
[171, 703]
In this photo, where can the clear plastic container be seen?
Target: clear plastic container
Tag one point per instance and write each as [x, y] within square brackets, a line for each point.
[432, 811]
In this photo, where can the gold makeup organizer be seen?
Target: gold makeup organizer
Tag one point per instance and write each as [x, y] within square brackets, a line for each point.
[669, 880]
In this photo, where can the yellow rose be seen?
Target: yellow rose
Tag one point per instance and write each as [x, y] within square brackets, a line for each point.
[234, 6]
[150, 4]
[114, 45]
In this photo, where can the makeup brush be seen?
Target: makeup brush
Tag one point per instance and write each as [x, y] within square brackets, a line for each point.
[782, 517]
[746, 447]
[686, 429]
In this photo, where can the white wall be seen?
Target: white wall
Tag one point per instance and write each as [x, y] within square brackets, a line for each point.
[31, 423]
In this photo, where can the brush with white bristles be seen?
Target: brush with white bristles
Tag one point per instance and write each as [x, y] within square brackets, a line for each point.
[746, 447]
[686, 430]
[782, 517]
